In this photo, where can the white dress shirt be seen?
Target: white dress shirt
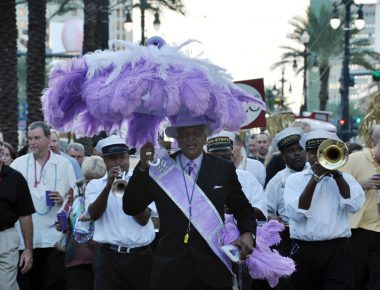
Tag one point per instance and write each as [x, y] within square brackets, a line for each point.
[255, 167]
[327, 217]
[114, 226]
[57, 175]
[253, 190]
[275, 193]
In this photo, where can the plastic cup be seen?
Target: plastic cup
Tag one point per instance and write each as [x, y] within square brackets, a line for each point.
[62, 220]
[49, 201]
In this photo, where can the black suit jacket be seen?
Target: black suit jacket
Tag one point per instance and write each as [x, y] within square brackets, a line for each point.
[175, 263]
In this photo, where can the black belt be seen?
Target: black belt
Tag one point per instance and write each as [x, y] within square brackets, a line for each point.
[145, 250]
[3, 228]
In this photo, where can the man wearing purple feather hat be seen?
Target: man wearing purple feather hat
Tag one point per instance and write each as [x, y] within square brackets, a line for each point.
[191, 189]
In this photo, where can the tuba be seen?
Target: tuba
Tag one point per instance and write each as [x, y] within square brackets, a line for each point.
[119, 185]
[332, 154]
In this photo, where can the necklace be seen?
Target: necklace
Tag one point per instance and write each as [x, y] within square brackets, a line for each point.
[36, 181]
[374, 162]
[189, 199]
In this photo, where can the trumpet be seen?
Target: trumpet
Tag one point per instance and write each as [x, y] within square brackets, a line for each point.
[119, 185]
[332, 154]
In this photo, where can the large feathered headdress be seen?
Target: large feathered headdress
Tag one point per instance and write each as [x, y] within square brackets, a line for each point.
[141, 87]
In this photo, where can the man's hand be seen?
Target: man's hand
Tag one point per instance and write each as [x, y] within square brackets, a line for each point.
[319, 170]
[56, 197]
[112, 174]
[245, 244]
[26, 260]
[373, 182]
[146, 155]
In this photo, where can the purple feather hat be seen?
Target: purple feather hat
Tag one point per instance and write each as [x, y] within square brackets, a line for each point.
[142, 87]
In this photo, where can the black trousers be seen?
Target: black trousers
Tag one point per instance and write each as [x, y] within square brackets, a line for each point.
[80, 277]
[365, 246]
[323, 265]
[48, 271]
[117, 271]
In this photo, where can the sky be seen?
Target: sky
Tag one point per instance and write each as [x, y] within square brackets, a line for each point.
[243, 36]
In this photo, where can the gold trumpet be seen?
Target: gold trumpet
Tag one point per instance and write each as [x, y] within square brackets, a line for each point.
[332, 154]
[119, 185]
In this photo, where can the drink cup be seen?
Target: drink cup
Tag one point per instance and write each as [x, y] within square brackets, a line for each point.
[49, 201]
[62, 220]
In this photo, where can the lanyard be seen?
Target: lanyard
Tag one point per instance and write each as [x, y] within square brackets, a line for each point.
[36, 181]
[189, 199]
[55, 171]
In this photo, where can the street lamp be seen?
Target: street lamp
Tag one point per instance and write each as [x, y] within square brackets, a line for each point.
[305, 38]
[345, 78]
[128, 24]
[143, 5]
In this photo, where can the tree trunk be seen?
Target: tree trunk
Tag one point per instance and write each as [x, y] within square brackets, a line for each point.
[8, 72]
[35, 82]
[324, 74]
[92, 41]
[92, 36]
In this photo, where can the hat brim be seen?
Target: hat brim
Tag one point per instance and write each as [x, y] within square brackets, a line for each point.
[172, 131]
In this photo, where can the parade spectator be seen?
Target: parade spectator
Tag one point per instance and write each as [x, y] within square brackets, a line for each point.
[354, 147]
[123, 259]
[252, 150]
[15, 205]
[255, 167]
[263, 141]
[9, 154]
[76, 151]
[365, 224]
[80, 254]
[54, 146]
[49, 177]
[318, 202]
[183, 259]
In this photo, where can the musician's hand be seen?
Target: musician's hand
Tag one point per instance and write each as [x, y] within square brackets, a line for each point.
[245, 244]
[146, 155]
[319, 170]
[113, 173]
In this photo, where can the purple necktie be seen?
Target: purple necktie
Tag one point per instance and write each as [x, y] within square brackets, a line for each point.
[190, 166]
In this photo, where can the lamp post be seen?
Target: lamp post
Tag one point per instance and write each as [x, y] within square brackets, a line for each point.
[305, 38]
[281, 99]
[143, 5]
[345, 77]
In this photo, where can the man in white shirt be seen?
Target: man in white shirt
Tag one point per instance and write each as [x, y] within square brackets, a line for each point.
[255, 167]
[294, 157]
[52, 175]
[318, 202]
[124, 258]
[221, 145]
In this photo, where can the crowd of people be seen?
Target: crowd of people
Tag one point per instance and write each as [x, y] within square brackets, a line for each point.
[331, 216]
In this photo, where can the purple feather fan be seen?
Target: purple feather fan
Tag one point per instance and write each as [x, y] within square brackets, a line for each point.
[264, 263]
[142, 87]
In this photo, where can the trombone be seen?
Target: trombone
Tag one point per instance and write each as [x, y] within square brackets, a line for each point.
[332, 154]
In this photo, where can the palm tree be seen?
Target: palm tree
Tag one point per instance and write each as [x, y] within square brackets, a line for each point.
[35, 82]
[8, 72]
[326, 45]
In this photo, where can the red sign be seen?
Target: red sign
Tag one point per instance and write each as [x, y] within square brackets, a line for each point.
[255, 116]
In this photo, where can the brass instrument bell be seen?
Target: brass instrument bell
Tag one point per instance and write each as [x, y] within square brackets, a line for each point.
[119, 184]
[332, 154]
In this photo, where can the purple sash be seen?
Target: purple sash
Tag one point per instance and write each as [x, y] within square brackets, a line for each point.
[205, 218]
